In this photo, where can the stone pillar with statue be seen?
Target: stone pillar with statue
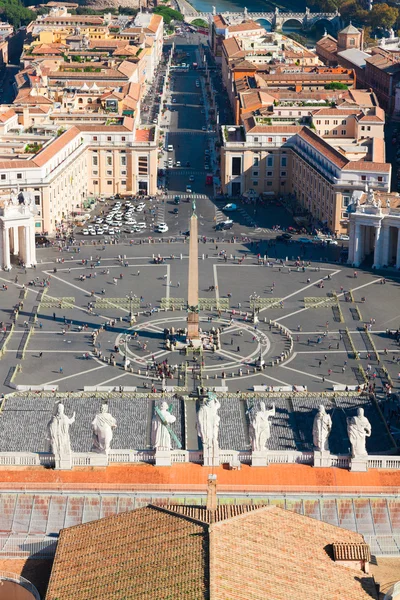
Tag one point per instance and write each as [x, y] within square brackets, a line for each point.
[208, 421]
[161, 434]
[17, 229]
[322, 427]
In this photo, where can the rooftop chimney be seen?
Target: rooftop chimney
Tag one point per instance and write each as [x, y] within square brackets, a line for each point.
[356, 555]
[212, 493]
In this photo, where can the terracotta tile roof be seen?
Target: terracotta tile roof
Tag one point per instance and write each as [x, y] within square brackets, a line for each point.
[161, 553]
[143, 135]
[328, 43]
[273, 553]
[200, 513]
[361, 165]
[146, 554]
[247, 26]
[335, 112]
[219, 22]
[372, 118]
[9, 114]
[343, 551]
[324, 148]
[5, 165]
[42, 157]
[72, 19]
[154, 23]
[232, 47]
[127, 68]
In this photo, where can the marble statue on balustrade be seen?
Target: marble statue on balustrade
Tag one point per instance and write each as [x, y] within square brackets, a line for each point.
[208, 421]
[260, 427]
[358, 429]
[160, 435]
[58, 437]
[103, 426]
[321, 430]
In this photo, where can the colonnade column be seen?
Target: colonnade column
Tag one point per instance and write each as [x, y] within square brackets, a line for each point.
[385, 258]
[358, 245]
[398, 250]
[32, 244]
[6, 249]
[352, 228]
[27, 251]
[15, 244]
[378, 247]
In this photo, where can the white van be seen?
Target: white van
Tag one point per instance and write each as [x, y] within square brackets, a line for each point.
[170, 148]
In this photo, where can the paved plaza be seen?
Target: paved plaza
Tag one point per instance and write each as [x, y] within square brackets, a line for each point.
[330, 344]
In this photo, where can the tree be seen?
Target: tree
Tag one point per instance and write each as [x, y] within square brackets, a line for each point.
[336, 85]
[383, 15]
[168, 14]
[15, 13]
[200, 23]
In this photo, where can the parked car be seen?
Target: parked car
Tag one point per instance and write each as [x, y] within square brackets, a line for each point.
[230, 207]
[283, 237]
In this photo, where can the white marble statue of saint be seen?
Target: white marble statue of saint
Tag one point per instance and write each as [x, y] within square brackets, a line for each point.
[58, 434]
[160, 436]
[208, 422]
[103, 426]
[358, 429]
[321, 429]
[260, 428]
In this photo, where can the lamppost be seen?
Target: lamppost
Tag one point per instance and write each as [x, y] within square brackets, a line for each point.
[130, 298]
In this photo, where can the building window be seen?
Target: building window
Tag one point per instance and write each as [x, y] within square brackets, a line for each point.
[3, 176]
[109, 161]
[123, 172]
[95, 160]
[363, 178]
[344, 122]
[143, 165]
[352, 42]
[256, 161]
[326, 132]
[335, 122]
[255, 174]
[284, 139]
[123, 182]
[236, 165]
[95, 138]
[255, 183]
[269, 173]
[269, 183]
[256, 139]
[37, 200]
[95, 183]
[283, 173]
[109, 173]
[123, 138]
[380, 178]
[123, 161]
[109, 182]
[270, 139]
[343, 132]
[362, 128]
[283, 161]
[334, 132]
[270, 161]
[109, 138]
[19, 175]
[345, 201]
[95, 172]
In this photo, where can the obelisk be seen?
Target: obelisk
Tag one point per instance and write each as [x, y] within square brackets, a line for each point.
[193, 278]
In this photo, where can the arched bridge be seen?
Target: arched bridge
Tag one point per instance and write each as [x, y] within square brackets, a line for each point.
[277, 19]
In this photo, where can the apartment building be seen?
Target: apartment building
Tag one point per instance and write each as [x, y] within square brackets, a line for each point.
[273, 62]
[64, 169]
[275, 160]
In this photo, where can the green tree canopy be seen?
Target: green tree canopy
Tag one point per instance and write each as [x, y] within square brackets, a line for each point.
[383, 15]
[168, 14]
[15, 13]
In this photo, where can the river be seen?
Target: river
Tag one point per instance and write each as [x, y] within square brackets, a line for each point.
[251, 5]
